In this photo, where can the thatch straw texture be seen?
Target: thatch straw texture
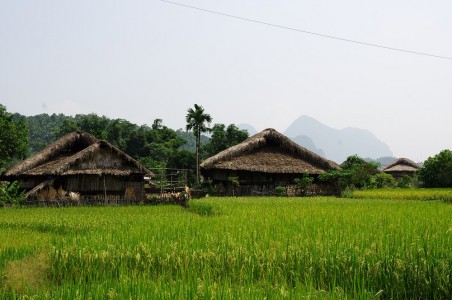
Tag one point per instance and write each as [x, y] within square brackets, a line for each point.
[66, 155]
[269, 152]
[81, 139]
[401, 165]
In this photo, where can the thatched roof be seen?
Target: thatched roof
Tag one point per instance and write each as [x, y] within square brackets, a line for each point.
[64, 155]
[269, 152]
[401, 165]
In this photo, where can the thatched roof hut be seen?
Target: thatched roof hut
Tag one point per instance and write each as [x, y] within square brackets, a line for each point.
[401, 167]
[70, 143]
[265, 158]
[80, 163]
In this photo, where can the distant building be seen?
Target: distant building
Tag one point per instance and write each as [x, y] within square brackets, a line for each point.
[265, 161]
[401, 167]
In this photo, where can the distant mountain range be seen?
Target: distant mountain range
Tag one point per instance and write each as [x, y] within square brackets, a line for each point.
[334, 144]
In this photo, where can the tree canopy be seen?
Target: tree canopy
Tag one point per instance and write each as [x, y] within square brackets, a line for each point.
[197, 122]
[156, 147]
[437, 170]
[355, 172]
[223, 138]
[13, 139]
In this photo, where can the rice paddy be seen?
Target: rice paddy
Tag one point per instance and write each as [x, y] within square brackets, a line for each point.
[230, 248]
[406, 194]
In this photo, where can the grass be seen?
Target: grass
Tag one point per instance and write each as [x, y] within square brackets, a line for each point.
[406, 194]
[230, 248]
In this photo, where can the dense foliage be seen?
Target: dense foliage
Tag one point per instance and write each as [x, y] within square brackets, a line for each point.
[302, 184]
[355, 173]
[11, 193]
[13, 139]
[224, 137]
[383, 180]
[190, 139]
[44, 129]
[437, 170]
[156, 146]
[230, 248]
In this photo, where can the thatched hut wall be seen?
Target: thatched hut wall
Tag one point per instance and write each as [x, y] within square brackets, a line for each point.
[94, 183]
[264, 184]
[27, 183]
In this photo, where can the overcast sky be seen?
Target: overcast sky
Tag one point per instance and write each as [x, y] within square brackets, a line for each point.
[142, 60]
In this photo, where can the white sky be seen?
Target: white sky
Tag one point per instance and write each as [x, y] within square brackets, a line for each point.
[142, 60]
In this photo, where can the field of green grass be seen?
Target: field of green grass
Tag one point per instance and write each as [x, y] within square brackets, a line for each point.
[223, 248]
[405, 194]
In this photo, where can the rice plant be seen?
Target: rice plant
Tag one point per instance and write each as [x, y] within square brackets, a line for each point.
[230, 248]
[405, 194]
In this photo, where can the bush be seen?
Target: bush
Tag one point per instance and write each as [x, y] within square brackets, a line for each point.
[152, 199]
[437, 170]
[355, 173]
[303, 184]
[10, 193]
[280, 191]
[347, 192]
[359, 172]
[404, 182]
[384, 180]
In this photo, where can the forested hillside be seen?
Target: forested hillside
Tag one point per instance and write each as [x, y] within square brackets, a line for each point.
[156, 146]
[43, 129]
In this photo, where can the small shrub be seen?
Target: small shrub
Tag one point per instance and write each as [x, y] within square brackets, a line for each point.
[303, 184]
[207, 186]
[235, 182]
[152, 199]
[404, 182]
[11, 193]
[384, 180]
[347, 192]
[280, 191]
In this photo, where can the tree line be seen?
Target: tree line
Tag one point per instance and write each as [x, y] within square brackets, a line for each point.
[157, 146]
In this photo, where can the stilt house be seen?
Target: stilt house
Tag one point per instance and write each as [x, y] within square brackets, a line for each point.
[401, 167]
[79, 163]
[263, 162]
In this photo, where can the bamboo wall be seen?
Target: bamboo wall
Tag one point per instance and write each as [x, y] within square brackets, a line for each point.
[264, 184]
[95, 183]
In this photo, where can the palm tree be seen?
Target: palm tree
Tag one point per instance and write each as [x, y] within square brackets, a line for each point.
[196, 119]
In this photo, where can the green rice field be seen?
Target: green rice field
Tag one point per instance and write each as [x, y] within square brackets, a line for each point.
[405, 194]
[230, 248]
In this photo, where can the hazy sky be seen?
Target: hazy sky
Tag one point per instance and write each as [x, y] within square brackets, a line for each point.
[142, 60]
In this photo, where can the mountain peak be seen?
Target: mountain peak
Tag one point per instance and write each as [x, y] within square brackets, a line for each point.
[251, 130]
[338, 144]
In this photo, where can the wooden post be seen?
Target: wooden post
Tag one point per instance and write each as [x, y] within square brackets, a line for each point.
[105, 190]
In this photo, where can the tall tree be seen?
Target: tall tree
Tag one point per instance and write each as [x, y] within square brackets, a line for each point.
[13, 139]
[196, 122]
[360, 171]
[43, 129]
[223, 138]
[437, 170]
